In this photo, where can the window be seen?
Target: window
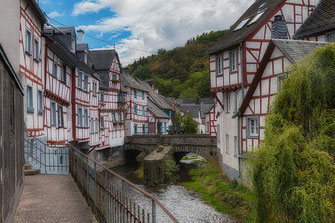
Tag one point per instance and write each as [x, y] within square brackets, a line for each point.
[95, 86]
[86, 83]
[135, 93]
[63, 77]
[80, 80]
[143, 110]
[40, 102]
[80, 117]
[96, 125]
[241, 24]
[281, 79]
[60, 117]
[227, 143]
[36, 50]
[235, 146]
[54, 69]
[165, 128]
[228, 103]
[92, 125]
[236, 101]
[233, 61]
[330, 37]
[86, 117]
[135, 109]
[102, 122]
[120, 117]
[113, 117]
[135, 129]
[102, 97]
[53, 114]
[143, 95]
[30, 100]
[256, 17]
[28, 42]
[252, 127]
[219, 65]
[143, 129]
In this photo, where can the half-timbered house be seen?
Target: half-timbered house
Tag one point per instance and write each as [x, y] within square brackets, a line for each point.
[158, 120]
[137, 101]
[210, 123]
[111, 100]
[235, 60]
[320, 25]
[31, 65]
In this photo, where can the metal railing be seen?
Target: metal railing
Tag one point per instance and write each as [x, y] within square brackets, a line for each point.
[111, 197]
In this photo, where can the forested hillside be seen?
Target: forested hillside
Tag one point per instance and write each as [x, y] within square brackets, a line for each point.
[181, 72]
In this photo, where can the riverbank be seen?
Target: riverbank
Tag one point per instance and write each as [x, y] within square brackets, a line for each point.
[226, 197]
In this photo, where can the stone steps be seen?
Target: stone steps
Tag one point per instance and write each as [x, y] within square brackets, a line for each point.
[29, 171]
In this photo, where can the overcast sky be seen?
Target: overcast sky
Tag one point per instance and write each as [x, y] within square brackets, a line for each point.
[144, 24]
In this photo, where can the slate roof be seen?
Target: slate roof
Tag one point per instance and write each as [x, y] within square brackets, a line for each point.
[158, 99]
[104, 77]
[205, 109]
[129, 81]
[322, 19]
[195, 101]
[157, 111]
[296, 49]
[234, 37]
[101, 59]
[192, 110]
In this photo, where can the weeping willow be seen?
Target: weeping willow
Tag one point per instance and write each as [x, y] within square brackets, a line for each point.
[293, 173]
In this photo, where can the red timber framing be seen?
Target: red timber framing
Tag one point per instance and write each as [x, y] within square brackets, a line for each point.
[57, 93]
[31, 64]
[112, 110]
[260, 95]
[211, 122]
[294, 12]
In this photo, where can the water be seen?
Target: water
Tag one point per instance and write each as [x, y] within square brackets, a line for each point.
[185, 205]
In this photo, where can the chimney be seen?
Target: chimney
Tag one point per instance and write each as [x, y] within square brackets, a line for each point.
[279, 28]
[80, 36]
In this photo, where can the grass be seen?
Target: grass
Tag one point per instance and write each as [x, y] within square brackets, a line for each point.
[140, 172]
[226, 197]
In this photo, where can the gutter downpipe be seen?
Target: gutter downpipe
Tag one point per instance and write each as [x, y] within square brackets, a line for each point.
[239, 114]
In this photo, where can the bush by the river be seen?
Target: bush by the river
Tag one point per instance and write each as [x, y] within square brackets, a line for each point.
[293, 173]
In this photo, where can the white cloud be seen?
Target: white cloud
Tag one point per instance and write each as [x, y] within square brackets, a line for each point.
[55, 14]
[156, 24]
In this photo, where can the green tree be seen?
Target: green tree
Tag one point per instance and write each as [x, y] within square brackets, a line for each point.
[189, 93]
[293, 173]
[189, 125]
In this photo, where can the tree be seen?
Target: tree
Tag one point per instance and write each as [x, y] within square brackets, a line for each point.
[184, 125]
[293, 173]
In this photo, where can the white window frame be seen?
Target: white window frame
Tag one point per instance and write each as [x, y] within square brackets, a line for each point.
[92, 126]
[120, 117]
[233, 60]
[96, 125]
[80, 117]
[102, 97]
[235, 146]
[252, 131]
[53, 114]
[80, 80]
[102, 122]
[60, 116]
[30, 99]
[55, 69]
[86, 82]
[227, 143]
[40, 102]
[36, 49]
[86, 124]
[28, 42]
[143, 110]
[64, 74]
[219, 64]
[228, 102]
[281, 78]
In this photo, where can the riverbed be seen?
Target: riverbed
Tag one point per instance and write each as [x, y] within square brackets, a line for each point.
[185, 205]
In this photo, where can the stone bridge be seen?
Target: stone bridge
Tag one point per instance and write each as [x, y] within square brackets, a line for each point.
[202, 145]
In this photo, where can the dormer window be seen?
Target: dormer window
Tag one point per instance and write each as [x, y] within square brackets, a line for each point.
[241, 24]
[219, 65]
[233, 61]
[259, 14]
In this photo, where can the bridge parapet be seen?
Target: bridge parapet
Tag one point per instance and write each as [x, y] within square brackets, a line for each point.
[202, 145]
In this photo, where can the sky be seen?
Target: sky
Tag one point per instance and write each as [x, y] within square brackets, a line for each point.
[138, 28]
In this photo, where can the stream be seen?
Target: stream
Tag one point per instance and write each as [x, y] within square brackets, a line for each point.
[185, 205]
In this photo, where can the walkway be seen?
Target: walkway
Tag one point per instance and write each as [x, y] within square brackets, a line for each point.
[52, 198]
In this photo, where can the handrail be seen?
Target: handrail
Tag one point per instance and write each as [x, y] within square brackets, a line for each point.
[147, 194]
[129, 183]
